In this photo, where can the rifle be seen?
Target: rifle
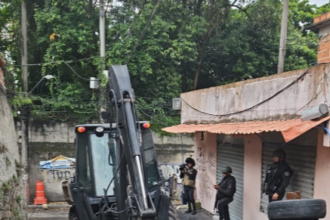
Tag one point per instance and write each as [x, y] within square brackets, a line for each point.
[264, 184]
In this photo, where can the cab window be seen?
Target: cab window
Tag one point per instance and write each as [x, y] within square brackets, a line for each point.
[103, 163]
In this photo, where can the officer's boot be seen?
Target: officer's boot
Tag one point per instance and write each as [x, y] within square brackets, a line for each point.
[189, 207]
[194, 207]
[221, 216]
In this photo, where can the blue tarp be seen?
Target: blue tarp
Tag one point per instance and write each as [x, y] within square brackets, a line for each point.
[59, 162]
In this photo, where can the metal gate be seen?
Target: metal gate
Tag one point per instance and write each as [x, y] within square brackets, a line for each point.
[302, 160]
[233, 155]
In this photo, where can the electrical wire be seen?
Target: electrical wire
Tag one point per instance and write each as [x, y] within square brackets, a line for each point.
[53, 62]
[249, 108]
[316, 94]
[75, 72]
[151, 117]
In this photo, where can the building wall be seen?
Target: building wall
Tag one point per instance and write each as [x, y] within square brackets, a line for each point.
[48, 140]
[253, 168]
[206, 163]
[322, 173]
[12, 179]
[323, 53]
[252, 178]
[205, 154]
[203, 106]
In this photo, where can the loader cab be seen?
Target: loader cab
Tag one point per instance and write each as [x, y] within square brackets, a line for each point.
[96, 158]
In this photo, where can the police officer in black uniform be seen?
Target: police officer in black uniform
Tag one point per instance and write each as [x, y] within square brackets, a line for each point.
[277, 176]
[226, 190]
[189, 183]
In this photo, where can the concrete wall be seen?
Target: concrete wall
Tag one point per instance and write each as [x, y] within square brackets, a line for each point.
[8, 141]
[252, 178]
[52, 178]
[48, 140]
[2, 77]
[12, 180]
[206, 163]
[198, 106]
[322, 173]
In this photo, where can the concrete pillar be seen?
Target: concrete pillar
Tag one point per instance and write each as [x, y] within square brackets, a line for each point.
[206, 162]
[252, 178]
[322, 173]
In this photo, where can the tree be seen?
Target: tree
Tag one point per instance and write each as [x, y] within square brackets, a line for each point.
[170, 47]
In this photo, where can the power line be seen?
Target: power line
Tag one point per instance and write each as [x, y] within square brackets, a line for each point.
[53, 62]
[249, 108]
[151, 117]
[75, 72]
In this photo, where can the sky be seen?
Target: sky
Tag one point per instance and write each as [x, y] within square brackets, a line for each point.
[318, 2]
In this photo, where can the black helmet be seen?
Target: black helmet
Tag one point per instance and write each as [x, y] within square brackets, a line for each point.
[190, 160]
[227, 169]
[279, 153]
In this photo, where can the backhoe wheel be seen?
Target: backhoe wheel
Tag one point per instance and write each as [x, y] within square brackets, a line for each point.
[172, 214]
[297, 209]
[72, 214]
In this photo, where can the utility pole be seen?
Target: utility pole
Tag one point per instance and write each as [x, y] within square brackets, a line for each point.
[24, 48]
[284, 25]
[25, 109]
[102, 32]
[24, 77]
[102, 55]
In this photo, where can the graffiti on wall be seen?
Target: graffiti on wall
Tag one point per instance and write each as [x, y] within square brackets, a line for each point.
[55, 176]
[168, 170]
[60, 175]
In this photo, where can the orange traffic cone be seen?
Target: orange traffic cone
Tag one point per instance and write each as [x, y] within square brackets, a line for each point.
[40, 194]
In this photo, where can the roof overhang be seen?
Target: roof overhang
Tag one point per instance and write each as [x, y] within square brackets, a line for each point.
[317, 26]
[290, 129]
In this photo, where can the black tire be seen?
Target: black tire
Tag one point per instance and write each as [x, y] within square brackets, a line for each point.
[297, 209]
[72, 214]
[172, 214]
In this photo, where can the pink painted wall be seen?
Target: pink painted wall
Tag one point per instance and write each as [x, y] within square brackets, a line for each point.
[206, 162]
[205, 155]
[252, 178]
[322, 173]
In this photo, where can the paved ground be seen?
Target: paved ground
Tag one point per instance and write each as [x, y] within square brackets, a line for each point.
[61, 213]
[200, 215]
[50, 214]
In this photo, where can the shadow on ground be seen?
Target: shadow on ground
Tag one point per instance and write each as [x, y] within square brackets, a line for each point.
[200, 215]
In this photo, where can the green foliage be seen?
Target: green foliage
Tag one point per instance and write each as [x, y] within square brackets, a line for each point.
[301, 12]
[8, 162]
[66, 108]
[18, 198]
[155, 112]
[18, 101]
[169, 46]
[19, 169]
[9, 195]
